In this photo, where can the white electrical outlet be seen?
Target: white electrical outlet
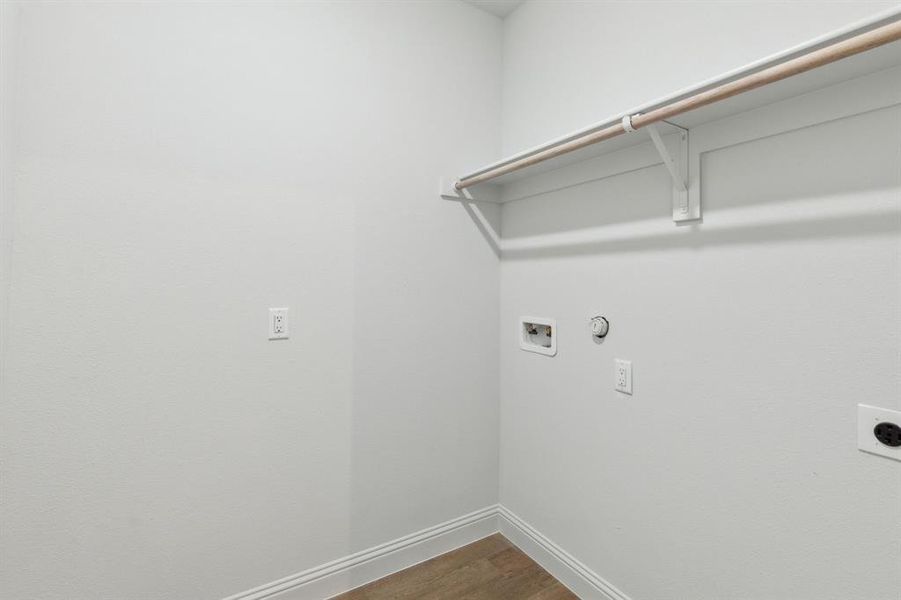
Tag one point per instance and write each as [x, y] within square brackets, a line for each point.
[624, 376]
[278, 323]
[879, 431]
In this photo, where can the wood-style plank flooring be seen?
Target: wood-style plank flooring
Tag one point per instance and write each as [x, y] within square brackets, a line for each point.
[490, 569]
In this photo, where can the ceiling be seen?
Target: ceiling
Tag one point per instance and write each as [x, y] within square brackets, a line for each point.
[501, 8]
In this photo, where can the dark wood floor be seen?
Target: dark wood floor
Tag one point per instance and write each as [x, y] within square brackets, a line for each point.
[490, 569]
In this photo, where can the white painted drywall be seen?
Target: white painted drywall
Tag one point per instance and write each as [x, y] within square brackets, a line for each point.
[179, 168]
[732, 472]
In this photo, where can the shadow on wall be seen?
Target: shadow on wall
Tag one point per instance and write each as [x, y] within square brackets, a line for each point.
[487, 219]
[795, 185]
[885, 222]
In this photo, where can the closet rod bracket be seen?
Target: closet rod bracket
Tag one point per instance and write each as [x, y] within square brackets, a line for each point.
[685, 206]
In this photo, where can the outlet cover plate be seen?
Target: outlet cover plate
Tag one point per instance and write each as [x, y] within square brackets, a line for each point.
[868, 417]
[623, 376]
[278, 323]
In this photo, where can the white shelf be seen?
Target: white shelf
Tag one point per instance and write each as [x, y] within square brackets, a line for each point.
[868, 62]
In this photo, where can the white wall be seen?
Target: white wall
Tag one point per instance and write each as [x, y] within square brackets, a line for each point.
[179, 168]
[733, 471]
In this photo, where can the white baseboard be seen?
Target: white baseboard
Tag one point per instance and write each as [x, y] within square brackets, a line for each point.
[583, 582]
[345, 574]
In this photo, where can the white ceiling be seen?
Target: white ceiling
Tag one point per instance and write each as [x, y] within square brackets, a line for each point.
[501, 8]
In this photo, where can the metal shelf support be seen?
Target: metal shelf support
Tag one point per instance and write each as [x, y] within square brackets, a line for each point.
[678, 170]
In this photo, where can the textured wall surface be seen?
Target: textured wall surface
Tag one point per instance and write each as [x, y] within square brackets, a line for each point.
[170, 170]
[733, 471]
[180, 168]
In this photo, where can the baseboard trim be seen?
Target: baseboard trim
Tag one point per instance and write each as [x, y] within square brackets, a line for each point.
[345, 574]
[342, 575]
[572, 573]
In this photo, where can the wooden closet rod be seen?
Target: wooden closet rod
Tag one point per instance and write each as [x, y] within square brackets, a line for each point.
[816, 58]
